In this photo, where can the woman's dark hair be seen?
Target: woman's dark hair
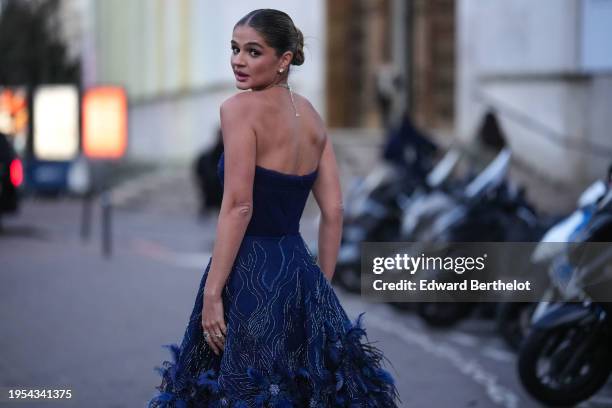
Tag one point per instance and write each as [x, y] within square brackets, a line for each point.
[277, 28]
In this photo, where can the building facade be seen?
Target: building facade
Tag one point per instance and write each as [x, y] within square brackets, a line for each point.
[545, 68]
[413, 41]
[173, 58]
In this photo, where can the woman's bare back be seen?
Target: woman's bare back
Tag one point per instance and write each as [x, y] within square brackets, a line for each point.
[286, 143]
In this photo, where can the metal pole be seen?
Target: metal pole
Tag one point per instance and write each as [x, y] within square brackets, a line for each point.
[86, 217]
[105, 203]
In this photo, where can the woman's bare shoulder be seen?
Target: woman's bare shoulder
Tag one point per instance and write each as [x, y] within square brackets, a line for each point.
[248, 107]
[237, 102]
[307, 102]
[317, 119]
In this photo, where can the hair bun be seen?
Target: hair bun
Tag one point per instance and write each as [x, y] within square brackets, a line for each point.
[298, 56]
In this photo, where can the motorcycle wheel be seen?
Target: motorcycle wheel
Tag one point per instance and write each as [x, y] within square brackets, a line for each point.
[513, 322]
[544, 357]
[443, 314]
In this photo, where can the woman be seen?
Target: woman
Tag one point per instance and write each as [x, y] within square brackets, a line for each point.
[267, 329]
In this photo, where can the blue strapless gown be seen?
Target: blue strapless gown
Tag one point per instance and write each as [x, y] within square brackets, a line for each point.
[289, 341]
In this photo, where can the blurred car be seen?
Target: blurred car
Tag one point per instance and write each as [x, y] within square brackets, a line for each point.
[11, 176]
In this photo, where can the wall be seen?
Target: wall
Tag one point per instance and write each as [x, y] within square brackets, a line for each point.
[527, 59]
[173, 59]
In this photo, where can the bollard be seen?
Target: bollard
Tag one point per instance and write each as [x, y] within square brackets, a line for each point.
[86, 218]
[106, 224]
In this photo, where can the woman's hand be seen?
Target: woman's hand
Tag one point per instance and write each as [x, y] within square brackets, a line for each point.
[213, 322]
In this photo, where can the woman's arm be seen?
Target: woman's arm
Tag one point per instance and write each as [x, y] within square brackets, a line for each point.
[237, 203]
[328, 195]
[236, 209]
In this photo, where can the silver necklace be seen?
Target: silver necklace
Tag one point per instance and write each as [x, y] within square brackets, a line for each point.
[297, 115]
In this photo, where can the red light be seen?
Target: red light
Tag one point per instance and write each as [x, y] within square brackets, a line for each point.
[16, 172]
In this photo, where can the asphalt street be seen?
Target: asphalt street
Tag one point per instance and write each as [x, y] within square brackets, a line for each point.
[74, 319]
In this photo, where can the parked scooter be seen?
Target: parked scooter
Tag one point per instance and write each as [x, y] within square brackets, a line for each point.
[490, 209]
[373, 211]
[514, 319]
[567, 356]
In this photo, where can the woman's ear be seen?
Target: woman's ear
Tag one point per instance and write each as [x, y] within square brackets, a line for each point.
[286, 59]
